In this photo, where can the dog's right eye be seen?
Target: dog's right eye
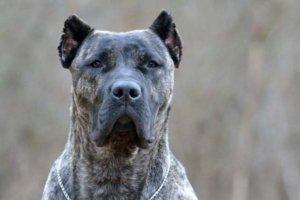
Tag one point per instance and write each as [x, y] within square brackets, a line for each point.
[152, 64]
[96, 64]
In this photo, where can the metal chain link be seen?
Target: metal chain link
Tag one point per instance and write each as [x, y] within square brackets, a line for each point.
[151, 198]
[61, 184]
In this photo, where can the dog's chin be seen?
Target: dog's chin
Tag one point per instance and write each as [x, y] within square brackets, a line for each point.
[124, 132]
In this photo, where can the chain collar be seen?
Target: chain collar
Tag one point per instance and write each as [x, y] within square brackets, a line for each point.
[151, 198]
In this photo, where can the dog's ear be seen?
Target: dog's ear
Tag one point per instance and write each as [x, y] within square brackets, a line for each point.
[165, 28]
[74, 32]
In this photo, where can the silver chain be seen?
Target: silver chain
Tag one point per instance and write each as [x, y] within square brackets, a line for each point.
[164, 180]
[61, 184]
[151, 198]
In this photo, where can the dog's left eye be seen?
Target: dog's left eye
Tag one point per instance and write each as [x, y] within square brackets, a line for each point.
[152, 64]
[96, 64]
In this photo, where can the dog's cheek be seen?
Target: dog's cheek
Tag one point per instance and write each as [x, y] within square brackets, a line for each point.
[86, 91]
[165, 90]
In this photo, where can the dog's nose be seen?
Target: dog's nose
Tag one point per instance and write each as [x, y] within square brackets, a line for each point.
[126, 91]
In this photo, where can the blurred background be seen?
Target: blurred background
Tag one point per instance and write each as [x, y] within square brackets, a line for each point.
[235, 121]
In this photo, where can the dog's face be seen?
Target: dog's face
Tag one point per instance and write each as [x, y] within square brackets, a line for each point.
[122, 81]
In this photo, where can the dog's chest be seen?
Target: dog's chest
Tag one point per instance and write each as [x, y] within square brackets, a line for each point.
[123, 182]
[111, 192]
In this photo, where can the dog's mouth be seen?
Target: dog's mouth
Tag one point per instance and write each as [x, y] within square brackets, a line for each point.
[125, 130]
[124, 125]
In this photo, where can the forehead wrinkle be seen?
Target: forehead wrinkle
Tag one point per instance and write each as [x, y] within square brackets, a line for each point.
[138, 43]
[153, 45]
[142, 47]
[100, 47]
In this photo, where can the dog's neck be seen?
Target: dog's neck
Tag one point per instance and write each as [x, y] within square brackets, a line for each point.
[104, 169]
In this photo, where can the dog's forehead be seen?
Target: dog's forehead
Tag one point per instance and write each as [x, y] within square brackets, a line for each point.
[141, 39]
[135, 35]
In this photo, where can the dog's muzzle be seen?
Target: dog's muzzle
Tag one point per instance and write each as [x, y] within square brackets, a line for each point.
[124, 115]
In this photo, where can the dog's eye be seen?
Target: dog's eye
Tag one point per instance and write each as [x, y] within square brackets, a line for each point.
[96, 64]
[152, 64]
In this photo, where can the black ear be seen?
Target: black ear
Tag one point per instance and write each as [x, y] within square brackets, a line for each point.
[74, 32]
[165, 28]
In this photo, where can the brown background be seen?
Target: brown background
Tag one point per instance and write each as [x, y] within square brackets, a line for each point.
[235, 120]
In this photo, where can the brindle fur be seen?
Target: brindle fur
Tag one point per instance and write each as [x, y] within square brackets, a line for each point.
[119, 169]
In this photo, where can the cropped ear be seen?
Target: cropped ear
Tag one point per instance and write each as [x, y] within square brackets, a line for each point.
[165, 28]
[74, 32]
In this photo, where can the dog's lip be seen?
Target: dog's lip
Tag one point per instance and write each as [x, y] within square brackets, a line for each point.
[127, 122]
[128, 126]
[124, 124]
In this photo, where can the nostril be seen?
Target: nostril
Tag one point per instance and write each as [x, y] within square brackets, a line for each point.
[126, 91]
[118, 92]
[134, 93]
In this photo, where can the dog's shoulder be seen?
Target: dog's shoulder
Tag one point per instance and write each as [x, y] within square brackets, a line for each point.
[52, 188]
[177, 185]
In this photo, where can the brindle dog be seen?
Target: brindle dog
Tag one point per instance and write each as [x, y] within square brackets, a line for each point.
[122, 88]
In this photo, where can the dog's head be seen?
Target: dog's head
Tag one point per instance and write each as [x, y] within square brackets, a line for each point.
[123, 81]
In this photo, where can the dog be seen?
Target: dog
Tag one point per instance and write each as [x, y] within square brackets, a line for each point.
[122, 86]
